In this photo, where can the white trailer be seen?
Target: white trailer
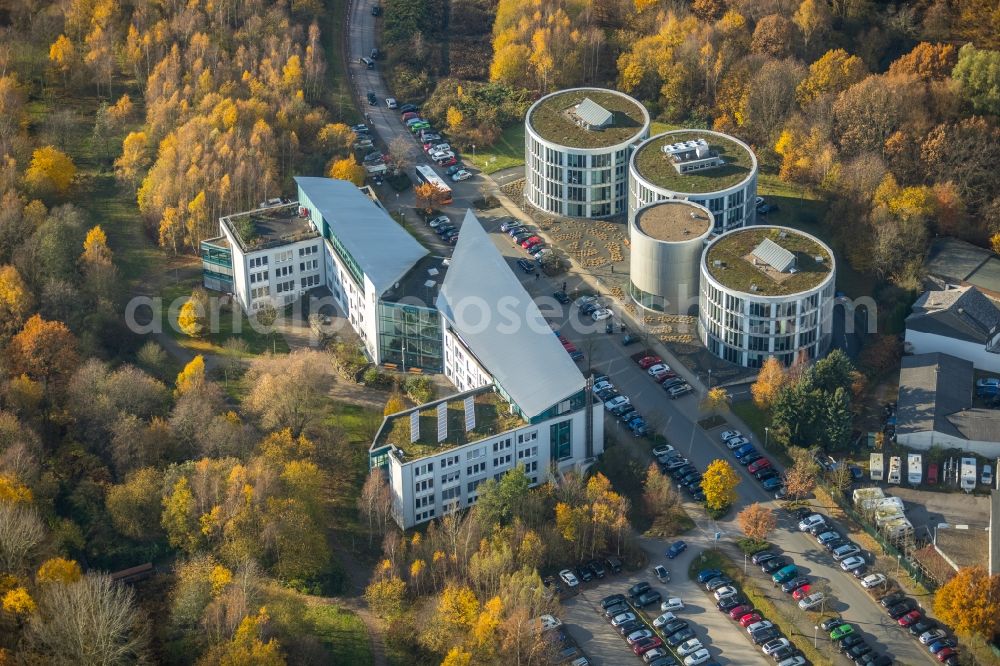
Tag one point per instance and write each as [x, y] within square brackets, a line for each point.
[867, 499]
[914, 469]
[894, 469]
[897, 529]
[968, 474]
[875, 467]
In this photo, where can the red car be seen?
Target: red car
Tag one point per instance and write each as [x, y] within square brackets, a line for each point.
[801, 593]
[661, 377]
[759, 465]
[408, 115]
[648, 361]
[945, 653]
[749, 619]
[740, 611]
[447, 162]
[646, 644]
[528, 242]
[910, 618]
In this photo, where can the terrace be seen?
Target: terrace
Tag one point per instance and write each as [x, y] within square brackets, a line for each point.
[739, 271]
[492, 418]
[659, 168]
[553, 121]
[270, 227]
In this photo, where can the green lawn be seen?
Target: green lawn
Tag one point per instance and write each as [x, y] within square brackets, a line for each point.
[342, 633]
[508, 151]
[755, 419]
[213, 341]
[656, 127]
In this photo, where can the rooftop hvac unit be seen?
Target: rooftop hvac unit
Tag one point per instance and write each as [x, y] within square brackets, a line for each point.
[819, 258]
[717, 263]
[782, 234]
[753, 287]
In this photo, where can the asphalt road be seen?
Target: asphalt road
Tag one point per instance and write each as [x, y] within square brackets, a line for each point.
[675, 418]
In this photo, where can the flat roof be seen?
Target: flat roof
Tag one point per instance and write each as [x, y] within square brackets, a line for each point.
[740, 272]
[549, 118]
[270, 227]
[656, 166]
[492, 313]
[384, 250]
[673, 221]
[416, 285]
[493, 416]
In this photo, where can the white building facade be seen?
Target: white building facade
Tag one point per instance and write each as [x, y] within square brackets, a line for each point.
[732, 165]
[575, 179]
[747, 327]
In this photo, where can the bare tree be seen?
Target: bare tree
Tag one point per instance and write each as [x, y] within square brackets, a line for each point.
[401, 152]
[91, 621]
[21, 531]
[285, 390]
[375, 503]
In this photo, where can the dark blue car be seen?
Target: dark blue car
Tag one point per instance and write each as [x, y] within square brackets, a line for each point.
[676, 549]
[706, 575]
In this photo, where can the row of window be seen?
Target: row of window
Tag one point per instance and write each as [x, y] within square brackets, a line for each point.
[306, 251]
[257, 262]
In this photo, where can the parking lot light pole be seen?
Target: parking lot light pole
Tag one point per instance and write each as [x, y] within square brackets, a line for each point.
[744, 564]
[767, 432]
[815, 635]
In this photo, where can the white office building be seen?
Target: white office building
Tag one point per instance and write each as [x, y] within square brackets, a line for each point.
[766, 291]
[337, 237]
[520, 399]
[708, 168]
[577, 145]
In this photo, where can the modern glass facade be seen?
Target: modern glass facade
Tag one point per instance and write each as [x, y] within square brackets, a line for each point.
[410, 336]
[561, 440]
[217, 266]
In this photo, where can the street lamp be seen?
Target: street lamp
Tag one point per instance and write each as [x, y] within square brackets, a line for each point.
[767, 432]
[744, 564]
[815, 635]
[710, 379]
[899, 558]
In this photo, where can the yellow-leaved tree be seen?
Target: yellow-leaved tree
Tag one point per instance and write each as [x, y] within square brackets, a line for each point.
[191, 376]
[455, 118]
[770, 380]
[58, 570]
[51, 171]
[18, 602]
[95, 248]
[347, 169]
[457, 657]
[716, 400]
[970, 602]
[719, 485]
[15, 301]
[394, 404]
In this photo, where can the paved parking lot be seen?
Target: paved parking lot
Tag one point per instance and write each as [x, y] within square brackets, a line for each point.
[586, 624]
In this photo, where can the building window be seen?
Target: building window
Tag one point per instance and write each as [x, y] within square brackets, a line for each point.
[561, 440]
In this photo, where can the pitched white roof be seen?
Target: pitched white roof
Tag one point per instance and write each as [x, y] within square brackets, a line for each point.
[774, 255]
[593, 113]
[384, 250]
[495, 317]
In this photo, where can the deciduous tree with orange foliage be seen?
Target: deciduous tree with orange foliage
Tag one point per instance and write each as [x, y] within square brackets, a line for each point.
[970, 602]
[51, 171]
[757, 521]
[45, 351]
[347, 169]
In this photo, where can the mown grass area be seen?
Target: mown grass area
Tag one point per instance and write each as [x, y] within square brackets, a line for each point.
[755, 419]
[713, 559]
[355, 427]
[232, 322]
[506, 152]
[656, 127]
[342, 632]
[338, 91]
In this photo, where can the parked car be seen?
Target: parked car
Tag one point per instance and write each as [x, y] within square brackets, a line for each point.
[770, 647]
[841, 631]
[461, 175]
[794, 584]
[526, 265]
[852, 563]
[679, 391]
[611, 600]
[648, 599]
[810, 602]
[676, 549]
[567, 577]
[661, 573]
[372, 99]
[647, 361]
[706, 575]
[759, 558]
[729, 434]
[814, 519]
[873, 580]
[391, 102]
[771, 565]
[622, 618]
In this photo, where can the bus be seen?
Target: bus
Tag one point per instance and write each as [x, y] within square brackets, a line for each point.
[425, 174]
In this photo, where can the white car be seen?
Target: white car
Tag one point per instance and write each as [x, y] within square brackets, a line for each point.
[725, 592]
[614, 402]
[672, 604]
[810, 521]
[666, 618]
[873, 580]
[439, 148]
[793, 661]
[569, 578]
[461, 174]
[852, 563]
[699, 657]
[601, 314]
[600, 386]
[662, 450]
[929, 637]
[811, 601]
[771, 647]
[763, 624]
[736, 442]
[729, 434]
[689, 647]
[655, 653]
[638, 636]
[654, 370]
[619, 620]
[438, 221]
[437, 156]
[391, 102]
[987, 475]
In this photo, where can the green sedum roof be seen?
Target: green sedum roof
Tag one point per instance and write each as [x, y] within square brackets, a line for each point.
[739, 273]
[656, 167]
[551, 122]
